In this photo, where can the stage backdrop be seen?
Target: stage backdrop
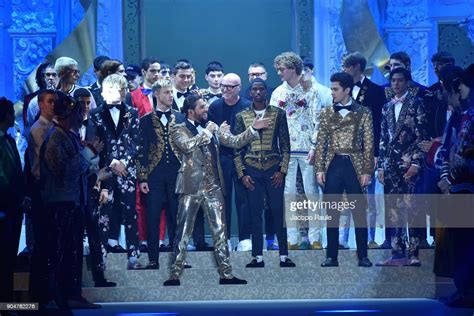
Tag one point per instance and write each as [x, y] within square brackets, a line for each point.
[234, 32]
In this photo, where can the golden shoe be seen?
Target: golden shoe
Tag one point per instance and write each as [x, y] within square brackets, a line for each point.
[373, 245]
[292, 247]
[316, 245]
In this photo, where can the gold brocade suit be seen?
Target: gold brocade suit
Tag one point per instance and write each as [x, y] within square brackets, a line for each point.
[199, 184]
[351, 135]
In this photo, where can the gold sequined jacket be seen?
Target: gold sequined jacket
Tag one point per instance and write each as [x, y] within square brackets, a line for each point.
[271, 148]
[351, 135]
[199, 153]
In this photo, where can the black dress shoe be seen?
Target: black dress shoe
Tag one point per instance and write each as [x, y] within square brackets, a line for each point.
[164, 248]
[143, 248]
[386, 244]
[187, 266]
[172, 282]
[287, 263]
[365, 262]
[104, 283]
[152, 265]
[255, 264]
[234, 280]
[330, 262]
[424, 244]
[115, 249]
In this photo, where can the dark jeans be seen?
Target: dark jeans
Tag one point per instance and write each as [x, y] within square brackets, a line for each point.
[341, 177]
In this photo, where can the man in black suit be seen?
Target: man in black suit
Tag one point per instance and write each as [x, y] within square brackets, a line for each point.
[182, 75]
[372, 96]
[116, 125]
[157, 166]
[222, 110]
[11, 190]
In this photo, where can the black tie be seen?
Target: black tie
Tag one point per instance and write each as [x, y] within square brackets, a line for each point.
[212, 95]
[179, 94]
[160, 114]
[84, 123]
[358, 83]
[118, 106]
[337, 108]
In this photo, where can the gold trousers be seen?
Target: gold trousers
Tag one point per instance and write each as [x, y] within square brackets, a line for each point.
[212, 203]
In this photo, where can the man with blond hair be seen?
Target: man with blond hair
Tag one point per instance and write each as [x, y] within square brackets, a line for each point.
[302, 106]
[116, 125]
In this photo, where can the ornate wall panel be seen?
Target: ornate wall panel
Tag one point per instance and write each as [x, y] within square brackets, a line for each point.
[131, 31]
[304, 24]
[407, 29]
[32, 31]
[456, 39]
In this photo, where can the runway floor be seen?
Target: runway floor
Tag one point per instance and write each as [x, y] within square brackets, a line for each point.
[404, 307]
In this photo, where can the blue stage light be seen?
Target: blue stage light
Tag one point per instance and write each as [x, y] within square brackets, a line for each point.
[147, 314]
[348, 311]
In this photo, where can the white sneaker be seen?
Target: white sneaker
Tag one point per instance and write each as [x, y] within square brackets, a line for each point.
[190, 247]
[244, 245]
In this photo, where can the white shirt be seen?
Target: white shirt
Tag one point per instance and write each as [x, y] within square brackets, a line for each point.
[115, 113]
[398, 103]
[356, 89]
[260, 113]
[163, 118]
[180, 101]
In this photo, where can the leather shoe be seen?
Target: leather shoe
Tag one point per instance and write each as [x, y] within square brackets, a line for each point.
[386, 244]
[135, 266]
[365, 262]
[115, 249]
[143, 248]
[81, 303]
[234, 280]
[287, 263]
[105, 283]
[152, 265]
[330, 262]
[187, 266]
[255, 264]
[172, 282]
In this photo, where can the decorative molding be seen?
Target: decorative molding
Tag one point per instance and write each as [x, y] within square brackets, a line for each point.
[304, 27]
[33, 32]
[131, 31]
[337, 48]
[407, 28]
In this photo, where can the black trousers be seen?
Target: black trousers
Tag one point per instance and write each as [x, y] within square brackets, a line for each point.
[65, 252]
[121, 211]
[10, 228]
[275, 199]
[233, 184]
[162, 184]
[91, 221]
[341, 177]
[39, 257]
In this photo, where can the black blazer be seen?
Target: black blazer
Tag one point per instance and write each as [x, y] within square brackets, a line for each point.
[372, 96]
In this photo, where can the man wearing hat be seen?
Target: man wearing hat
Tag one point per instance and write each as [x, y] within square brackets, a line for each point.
[134, 78]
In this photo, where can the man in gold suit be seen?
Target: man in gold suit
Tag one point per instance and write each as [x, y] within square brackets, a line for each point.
[344, 163]
[199, 183]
